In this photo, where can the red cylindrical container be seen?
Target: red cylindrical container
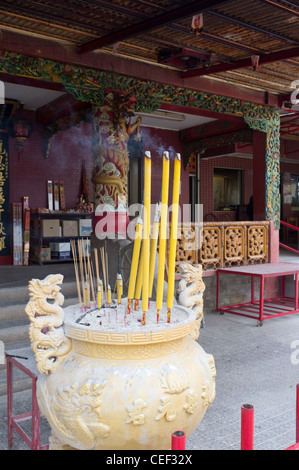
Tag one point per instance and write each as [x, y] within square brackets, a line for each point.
[247, 427]
[178, 440]
[297, 413]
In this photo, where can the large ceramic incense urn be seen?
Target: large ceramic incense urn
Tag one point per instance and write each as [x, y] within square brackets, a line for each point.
[107, 381]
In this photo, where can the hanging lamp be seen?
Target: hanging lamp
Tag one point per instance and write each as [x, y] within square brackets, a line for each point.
[20, 129]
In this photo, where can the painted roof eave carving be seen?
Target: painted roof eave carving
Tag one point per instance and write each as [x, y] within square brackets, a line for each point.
[89, 85]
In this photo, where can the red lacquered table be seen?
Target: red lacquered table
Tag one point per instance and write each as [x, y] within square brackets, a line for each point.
[263, 309]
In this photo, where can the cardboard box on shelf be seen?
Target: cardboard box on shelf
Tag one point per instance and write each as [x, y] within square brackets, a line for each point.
[60, 254]
[60, 246]
[70, 228]
[85, 227]
[45, 254]
[39, 210]
[50, 228]
[40, 254]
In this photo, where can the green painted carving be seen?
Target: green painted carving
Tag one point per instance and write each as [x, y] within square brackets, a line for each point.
[268, 121]
[89, 85]
[273, 170]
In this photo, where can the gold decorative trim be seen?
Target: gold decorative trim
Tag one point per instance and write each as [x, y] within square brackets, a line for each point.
[125, 352]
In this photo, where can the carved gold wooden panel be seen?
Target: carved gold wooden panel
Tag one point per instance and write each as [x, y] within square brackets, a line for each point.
[210, 254]
[257, 244]
[223, 244]
[234, 246]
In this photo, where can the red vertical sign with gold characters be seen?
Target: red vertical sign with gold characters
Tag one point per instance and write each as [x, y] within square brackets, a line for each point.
[4, 197]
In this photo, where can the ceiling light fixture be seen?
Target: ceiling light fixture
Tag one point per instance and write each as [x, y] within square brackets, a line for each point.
[168, 116]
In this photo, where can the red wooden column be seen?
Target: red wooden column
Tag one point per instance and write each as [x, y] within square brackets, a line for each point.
[259, 175]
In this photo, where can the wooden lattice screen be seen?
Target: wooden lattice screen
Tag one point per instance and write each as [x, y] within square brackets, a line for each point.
[223, 244]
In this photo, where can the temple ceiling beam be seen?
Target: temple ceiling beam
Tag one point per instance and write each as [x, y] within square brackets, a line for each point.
[243, 63]
[149, 24]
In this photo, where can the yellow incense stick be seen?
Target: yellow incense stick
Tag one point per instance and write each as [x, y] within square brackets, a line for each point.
[134, 264]
[153, 251]
[87, 295]
[163, 233]
[146, 232]
[99, 297]
[109, 295]
[119, 288]
[139, 282]
[173, 233]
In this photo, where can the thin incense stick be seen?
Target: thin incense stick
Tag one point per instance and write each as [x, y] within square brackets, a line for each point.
[108, 285]
[104, 271]
[90, 277]
[81, 268]
[98, 283]
[94, 281]
[76, 271]
[107, 274]
[84, 260]
[97, 265]
[87, 282]
[92, 272]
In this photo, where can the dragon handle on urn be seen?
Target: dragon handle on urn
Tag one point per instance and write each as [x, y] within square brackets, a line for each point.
[48, 341]
[191, 288]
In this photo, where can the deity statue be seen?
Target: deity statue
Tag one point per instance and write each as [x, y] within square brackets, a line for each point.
[112, 128]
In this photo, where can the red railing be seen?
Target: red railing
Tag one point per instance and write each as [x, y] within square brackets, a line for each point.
[282, 245]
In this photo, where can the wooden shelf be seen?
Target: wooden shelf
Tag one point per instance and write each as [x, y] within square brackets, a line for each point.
[62, 239]
[38, 241]
[51, 261]
[61, 215]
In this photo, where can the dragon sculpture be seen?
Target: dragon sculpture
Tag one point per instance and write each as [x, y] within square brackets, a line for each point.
[191, 288]
[46, 332]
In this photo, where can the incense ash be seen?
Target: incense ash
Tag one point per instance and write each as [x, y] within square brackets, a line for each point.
[116, 318]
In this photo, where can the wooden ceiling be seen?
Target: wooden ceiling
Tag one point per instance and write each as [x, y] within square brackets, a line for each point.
[159, 32]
